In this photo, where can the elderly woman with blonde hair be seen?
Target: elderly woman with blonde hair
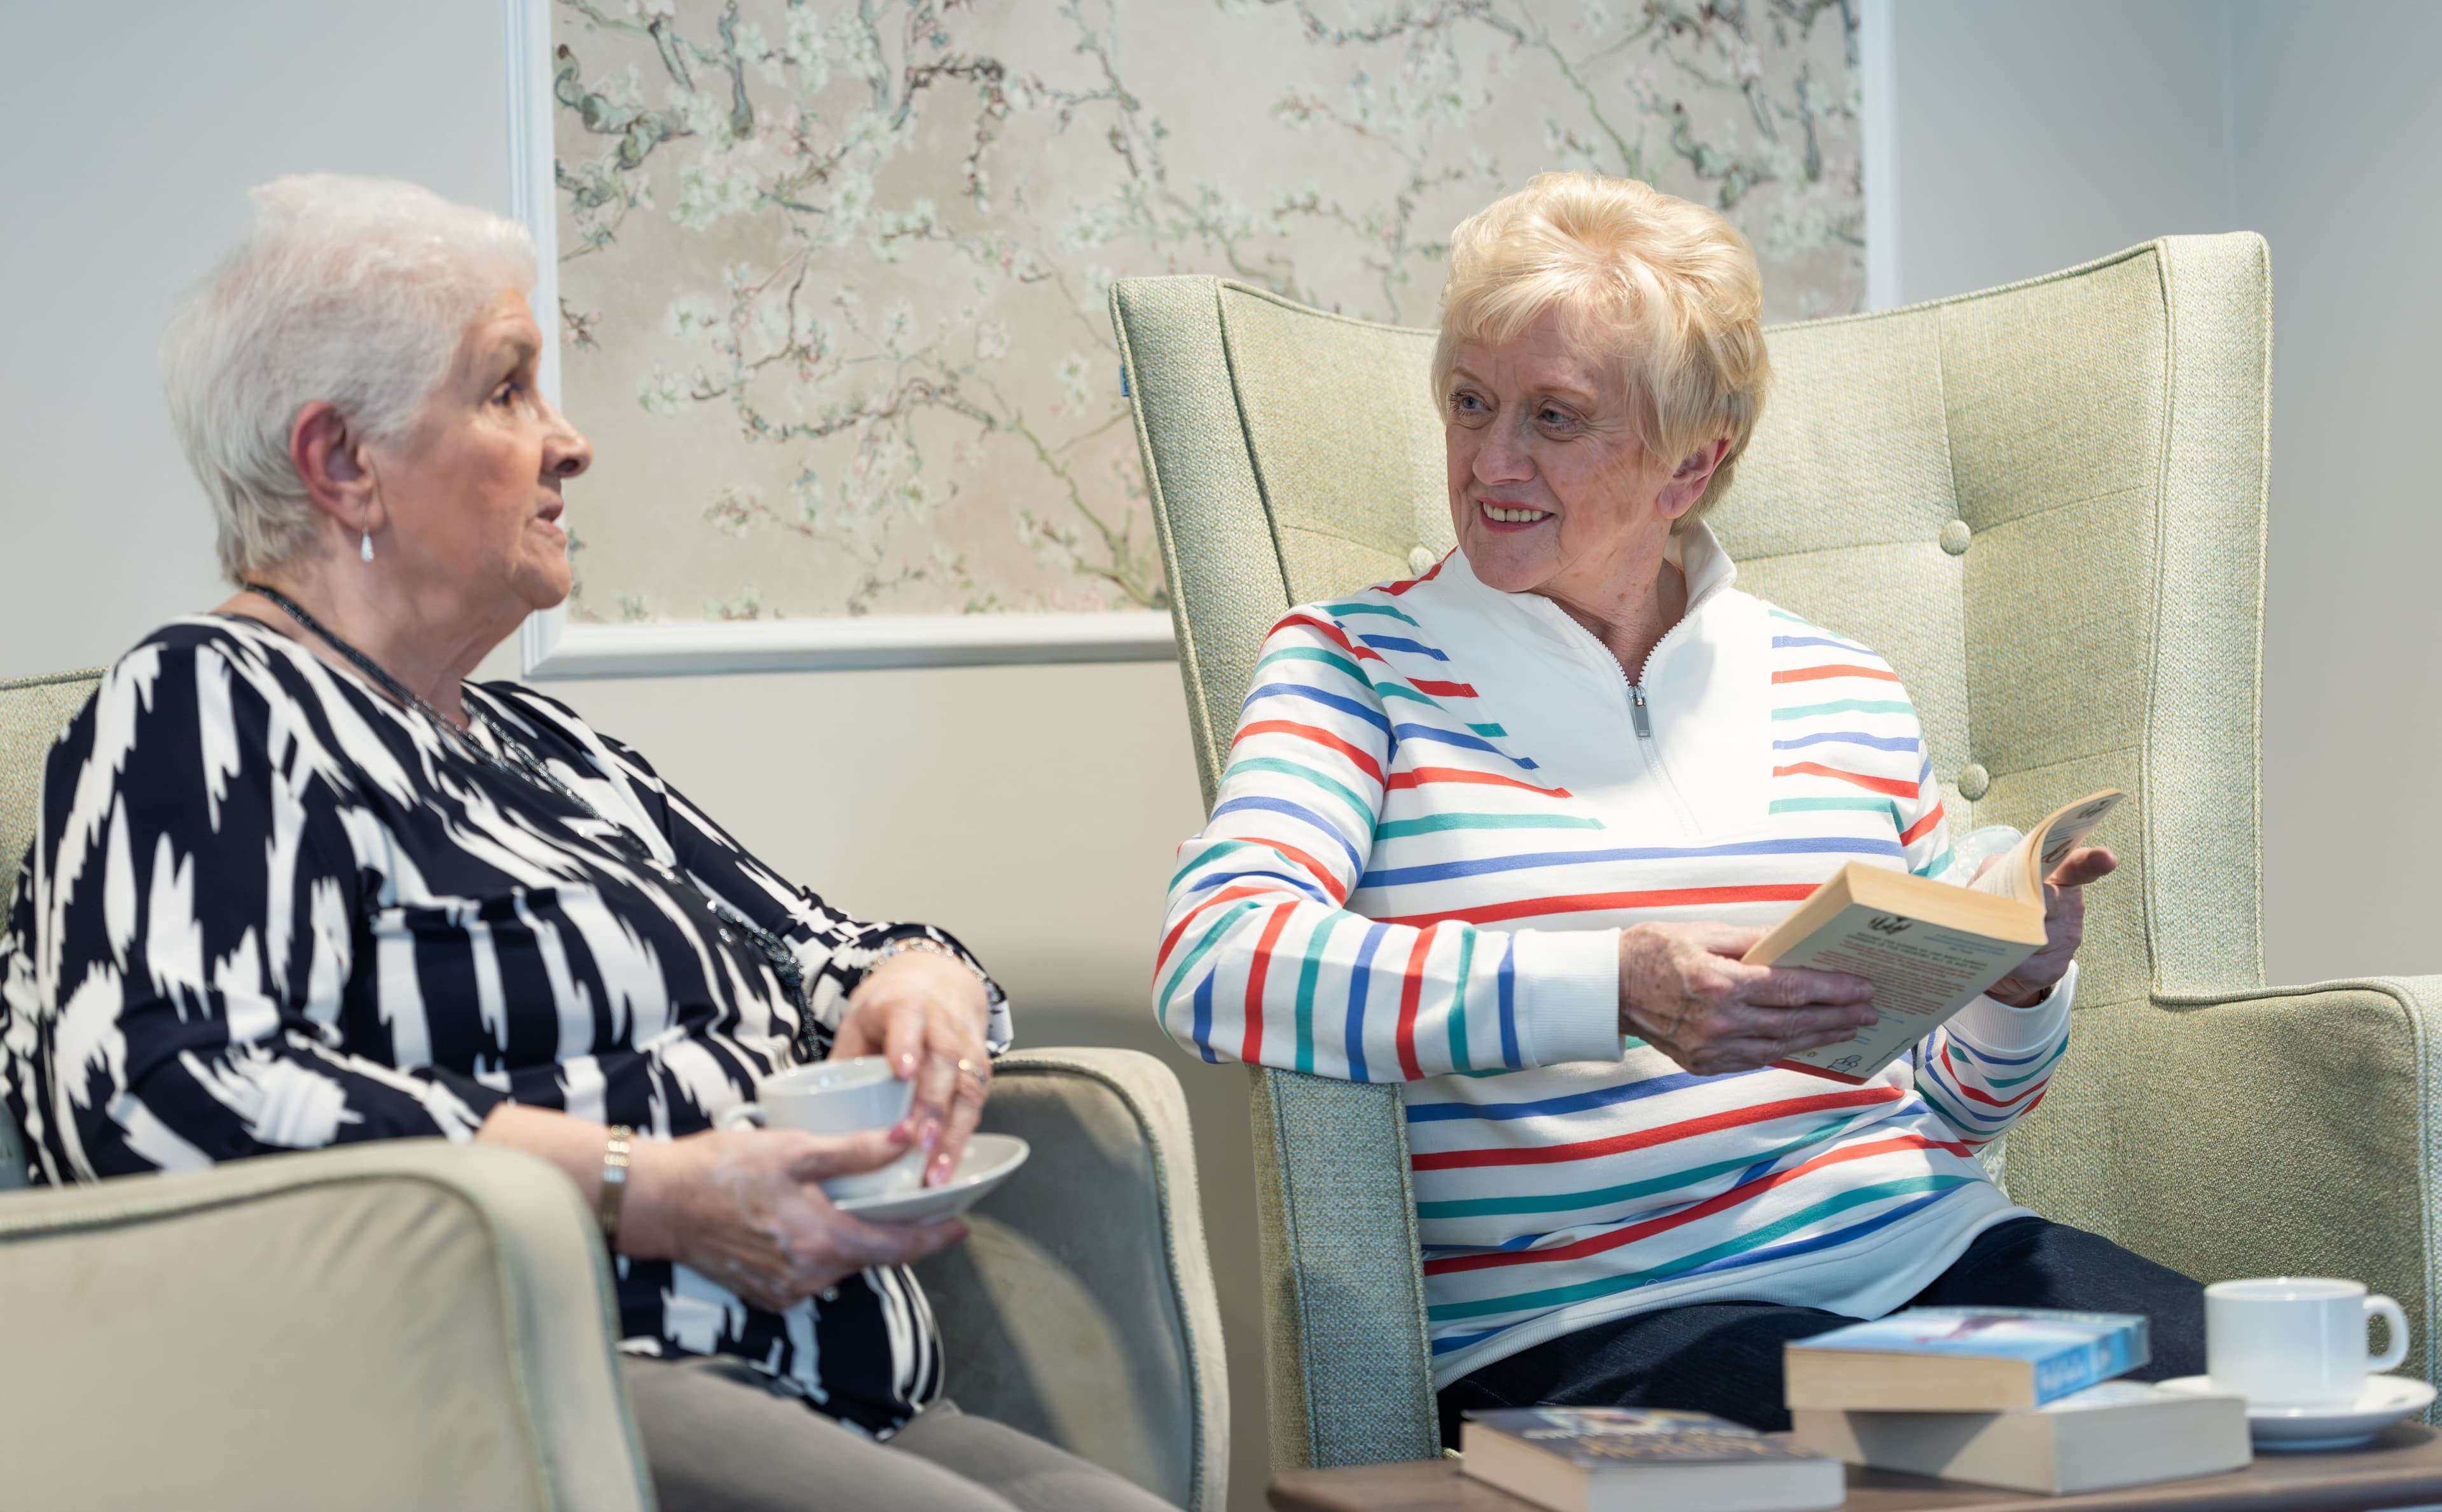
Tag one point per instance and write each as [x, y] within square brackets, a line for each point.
[1502, 833]
[297, 883]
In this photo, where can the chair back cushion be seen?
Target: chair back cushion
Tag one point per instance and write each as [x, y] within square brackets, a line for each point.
[33, 710]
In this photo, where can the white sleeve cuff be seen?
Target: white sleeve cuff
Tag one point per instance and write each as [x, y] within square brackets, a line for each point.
[1990, 1024]
[1568, 995]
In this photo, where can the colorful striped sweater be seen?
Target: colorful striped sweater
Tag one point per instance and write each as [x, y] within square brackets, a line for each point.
[1442, 805]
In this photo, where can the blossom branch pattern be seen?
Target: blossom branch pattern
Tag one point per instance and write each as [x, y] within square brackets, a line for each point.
[837, 268]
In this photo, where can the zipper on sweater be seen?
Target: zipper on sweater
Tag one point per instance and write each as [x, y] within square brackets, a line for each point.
[1641, 715]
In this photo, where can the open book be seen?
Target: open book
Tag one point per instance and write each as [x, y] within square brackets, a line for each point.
[1929, 947]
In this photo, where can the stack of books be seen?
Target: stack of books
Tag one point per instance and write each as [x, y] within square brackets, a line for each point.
[2025, 1399]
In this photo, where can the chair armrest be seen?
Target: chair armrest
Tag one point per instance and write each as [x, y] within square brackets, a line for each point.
[1081, 1310]
[406, 1325]
[2281, 1131]
[1349, 1367]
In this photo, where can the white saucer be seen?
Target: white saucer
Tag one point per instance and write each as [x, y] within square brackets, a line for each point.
[2386, 1399]
[988, 1161]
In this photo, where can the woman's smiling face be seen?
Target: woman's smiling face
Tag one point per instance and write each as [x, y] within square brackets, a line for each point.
[1551, 490]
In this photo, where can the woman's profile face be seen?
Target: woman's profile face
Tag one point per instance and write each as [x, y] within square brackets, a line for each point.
[1550, 490]
[472, 492]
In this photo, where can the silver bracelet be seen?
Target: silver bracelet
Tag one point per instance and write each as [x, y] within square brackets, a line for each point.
[927, 946]
[616, 1152]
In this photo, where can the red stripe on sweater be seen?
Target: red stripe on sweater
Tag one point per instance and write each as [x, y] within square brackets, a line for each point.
[1893, 785]
[1396, 588]
[1337, 636]
[1648, 1138]
[1589, 902]
[1361, 759]
[1916, 832]
[1598, 1244]
[1447, 690]
[1423, 776]
[1250, 1051]
[1161, 956]
[1816, 674]
[1987, 1099]
[1412, 987]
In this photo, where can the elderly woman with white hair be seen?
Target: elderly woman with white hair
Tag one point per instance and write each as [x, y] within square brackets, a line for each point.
[1502, 833]
[298, 882]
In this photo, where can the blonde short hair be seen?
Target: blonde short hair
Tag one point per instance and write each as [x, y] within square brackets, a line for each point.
[355, 291]
[1667, 286]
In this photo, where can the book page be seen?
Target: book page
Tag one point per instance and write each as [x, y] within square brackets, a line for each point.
[2021, 874]
[1922, 974]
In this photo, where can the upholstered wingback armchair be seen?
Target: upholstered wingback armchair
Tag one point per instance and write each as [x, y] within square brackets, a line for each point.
[415, 1324]
[2046, 504]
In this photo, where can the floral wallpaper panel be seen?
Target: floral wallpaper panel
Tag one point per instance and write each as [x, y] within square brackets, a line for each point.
[834, 272]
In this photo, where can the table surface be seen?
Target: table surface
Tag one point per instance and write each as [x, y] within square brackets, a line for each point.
[2401, 1468]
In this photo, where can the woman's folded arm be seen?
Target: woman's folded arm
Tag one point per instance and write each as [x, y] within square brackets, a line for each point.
[1259, 960]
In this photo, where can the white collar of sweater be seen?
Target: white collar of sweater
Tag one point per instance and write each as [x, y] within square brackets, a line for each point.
[1566, 703]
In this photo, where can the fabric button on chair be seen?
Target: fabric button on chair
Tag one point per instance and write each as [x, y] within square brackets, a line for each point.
[1954, 537]
[1973, 780]
[1421, 559]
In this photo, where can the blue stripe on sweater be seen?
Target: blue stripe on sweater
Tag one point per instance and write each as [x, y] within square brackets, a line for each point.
[1469, 742]
[1606, 1096]
[1394, 642]
[1360, 976]
[1295, 811]
[1330, 701]
[1444, 870]
[1878, 742]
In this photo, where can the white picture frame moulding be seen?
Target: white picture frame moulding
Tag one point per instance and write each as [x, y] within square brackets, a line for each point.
[550, 647]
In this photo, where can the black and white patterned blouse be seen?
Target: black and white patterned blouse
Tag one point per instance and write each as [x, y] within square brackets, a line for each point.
[267, 910]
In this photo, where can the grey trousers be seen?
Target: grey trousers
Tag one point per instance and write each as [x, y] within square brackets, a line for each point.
[718, 1440]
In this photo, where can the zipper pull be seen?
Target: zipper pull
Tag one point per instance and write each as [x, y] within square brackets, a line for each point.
[1636, 710]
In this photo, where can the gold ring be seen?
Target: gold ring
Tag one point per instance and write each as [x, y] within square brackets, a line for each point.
[967, 1068]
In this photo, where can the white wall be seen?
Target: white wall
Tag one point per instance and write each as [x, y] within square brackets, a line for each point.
[151, 126]
[2033, 137]
[2336, 148]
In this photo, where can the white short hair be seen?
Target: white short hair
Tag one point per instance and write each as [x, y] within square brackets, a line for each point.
[1666, 287]
[357, 291]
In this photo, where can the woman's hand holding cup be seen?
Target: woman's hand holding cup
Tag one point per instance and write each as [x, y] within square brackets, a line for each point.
[926, 1015]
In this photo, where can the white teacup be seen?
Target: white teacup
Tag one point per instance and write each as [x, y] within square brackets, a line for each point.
[838, 1096]
[2297, 1340]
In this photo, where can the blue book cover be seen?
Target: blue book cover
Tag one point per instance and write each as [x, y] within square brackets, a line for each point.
[1608, 1437]
[2070, 1351]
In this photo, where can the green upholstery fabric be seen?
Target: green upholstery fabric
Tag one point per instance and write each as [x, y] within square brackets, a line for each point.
[2100, 434]
[33, 710]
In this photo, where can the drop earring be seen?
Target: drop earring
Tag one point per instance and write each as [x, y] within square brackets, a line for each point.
[365, 549]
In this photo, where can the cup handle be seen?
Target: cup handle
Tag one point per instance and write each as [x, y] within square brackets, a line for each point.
[2398, 1322]
[746, 1113]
